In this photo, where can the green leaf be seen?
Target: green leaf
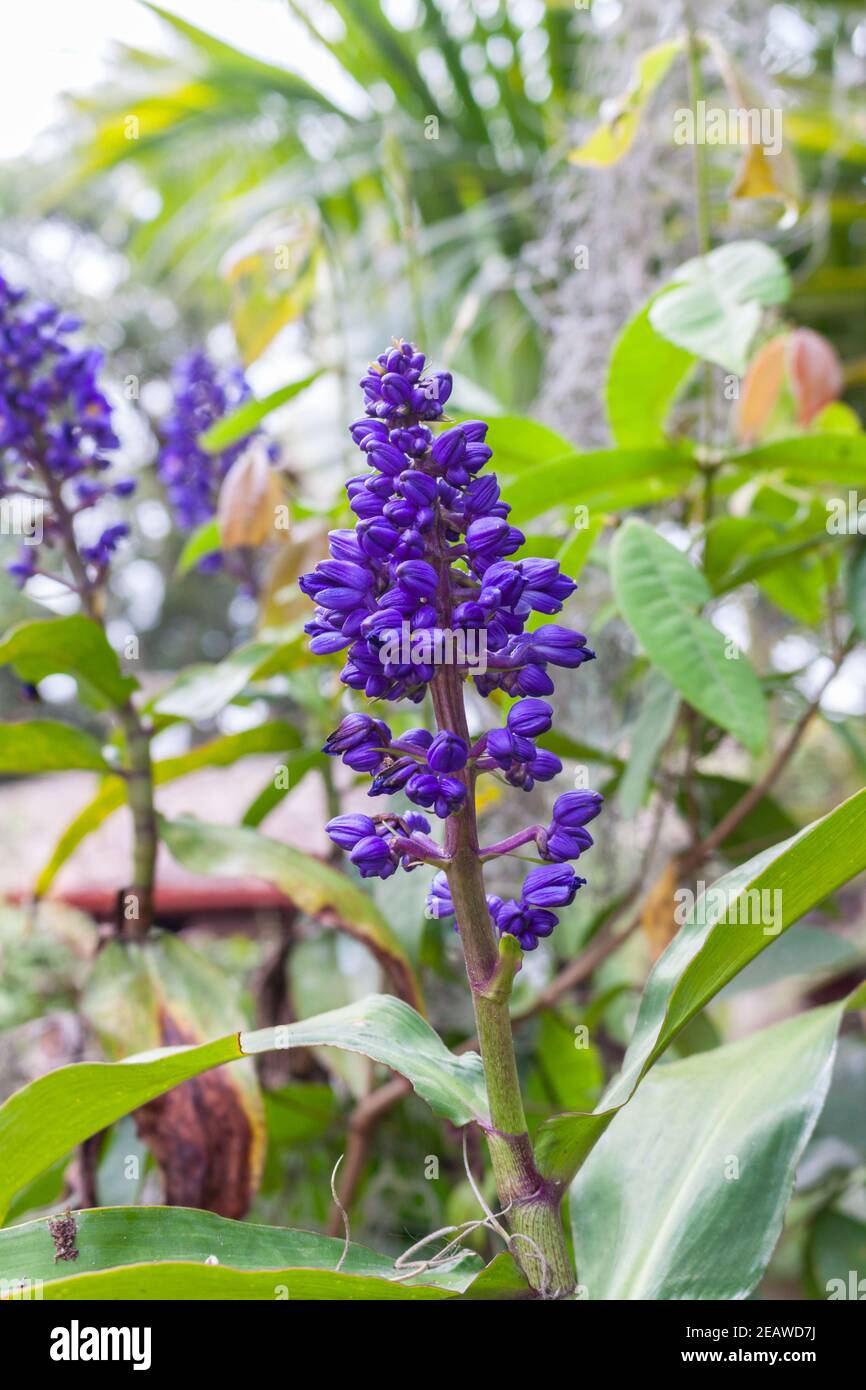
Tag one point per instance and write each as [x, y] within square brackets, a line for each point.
[644, 376]
[297, 765]
[657, 713]
[40, 745]
[611, 140]
[685, 1194]
[815, 458]
[204, 540]
[249, 416]
[179, 1281]
[110, 796]
[741, 548]
[75, 646]
[392, 1033]
[856, 589]
[836, 1257]
[519, 443]
[112, 1237]
[659, 591]
[274, 736]
[608, 479]
[237, 851]
[713, 306]
[46, 1119]
[713, 945]
[202, 692]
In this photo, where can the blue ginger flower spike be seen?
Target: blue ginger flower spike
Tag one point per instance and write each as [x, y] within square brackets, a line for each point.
[423, 594]
[56, 435]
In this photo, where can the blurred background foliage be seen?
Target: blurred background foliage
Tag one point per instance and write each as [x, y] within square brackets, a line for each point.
[423, 177]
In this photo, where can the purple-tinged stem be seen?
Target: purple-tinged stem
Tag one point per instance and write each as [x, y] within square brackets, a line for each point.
[532, 1204]
[530, 835]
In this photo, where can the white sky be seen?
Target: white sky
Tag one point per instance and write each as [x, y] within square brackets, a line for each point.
[53, 46]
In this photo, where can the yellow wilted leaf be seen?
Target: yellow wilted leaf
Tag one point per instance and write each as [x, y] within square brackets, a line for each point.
[282, 601]
[657, 921]
[765, 172]
[250, 500]
[613, 138]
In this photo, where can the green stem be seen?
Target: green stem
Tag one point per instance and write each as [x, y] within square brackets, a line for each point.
[533, 1204]
[702, 227]
[139, 785]
[139, 771]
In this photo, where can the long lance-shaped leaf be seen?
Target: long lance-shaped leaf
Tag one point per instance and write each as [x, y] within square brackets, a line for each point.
[274, 736]
[249, 416]
[181, 1281]
[110, 1237]
[685, 1195]
[43, 745]
[236, 851]
[46, 1119]
[736, 919]
[609, 479]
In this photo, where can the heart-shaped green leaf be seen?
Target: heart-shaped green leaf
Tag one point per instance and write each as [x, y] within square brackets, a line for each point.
[713, 307]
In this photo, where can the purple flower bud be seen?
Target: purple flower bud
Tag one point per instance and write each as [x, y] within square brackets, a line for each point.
[575, 809]
[447, 753]
[439, 901]
[530, 717]
[551, 885]
[560, 646]
[346, 831]
[560, 845]
[372, 856]
[394, 778]
[417, 577]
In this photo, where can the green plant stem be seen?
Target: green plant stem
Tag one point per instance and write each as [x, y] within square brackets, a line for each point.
[533, 1205]
[139, 771]
[702, 227]
[139, 783]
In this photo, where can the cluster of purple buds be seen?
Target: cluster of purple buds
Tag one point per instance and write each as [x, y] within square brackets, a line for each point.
[378, 845]
[425, 575]
[425, 580]
[203, 394]
[530, 918]
[551, 885]
[418, 763]
[55, 430]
